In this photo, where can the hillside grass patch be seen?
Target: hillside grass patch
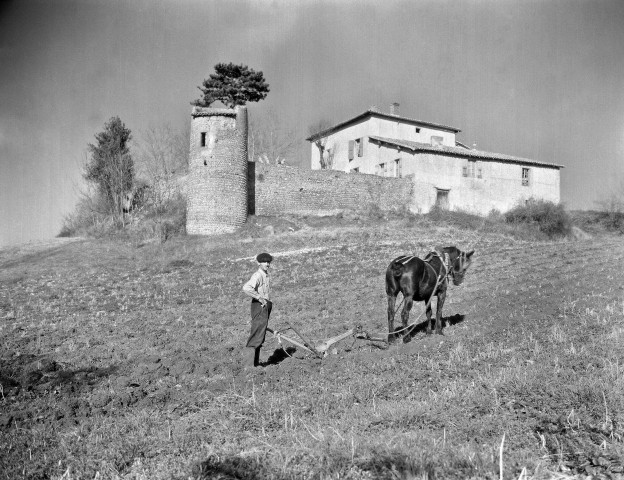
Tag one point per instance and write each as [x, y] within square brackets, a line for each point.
[125, 362]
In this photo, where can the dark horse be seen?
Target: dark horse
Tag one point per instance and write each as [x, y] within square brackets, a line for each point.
[420, 280]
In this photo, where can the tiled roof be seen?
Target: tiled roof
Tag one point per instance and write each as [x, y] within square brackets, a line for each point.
[376, 113]
[459, 151]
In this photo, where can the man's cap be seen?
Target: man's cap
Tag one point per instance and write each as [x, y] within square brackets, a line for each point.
[264, 257]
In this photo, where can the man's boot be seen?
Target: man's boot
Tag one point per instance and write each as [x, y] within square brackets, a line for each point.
[256, 360]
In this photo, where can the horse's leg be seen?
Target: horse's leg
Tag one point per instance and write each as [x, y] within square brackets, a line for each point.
[428, 312]
[391, 304]
[408, 302]
[441, 298]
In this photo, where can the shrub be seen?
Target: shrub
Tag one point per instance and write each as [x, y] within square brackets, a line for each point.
[160, 220]
[90, 218]
[599, 222]
[457, 218]
[153, 220]
[549, 218]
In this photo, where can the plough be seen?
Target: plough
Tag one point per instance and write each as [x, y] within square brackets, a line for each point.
[321, 350]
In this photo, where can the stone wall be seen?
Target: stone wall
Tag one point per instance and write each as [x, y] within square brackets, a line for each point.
[276, 189]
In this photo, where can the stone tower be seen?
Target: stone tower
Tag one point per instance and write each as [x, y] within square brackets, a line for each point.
[217, 180]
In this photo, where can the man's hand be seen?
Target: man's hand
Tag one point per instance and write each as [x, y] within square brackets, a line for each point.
[263, 302]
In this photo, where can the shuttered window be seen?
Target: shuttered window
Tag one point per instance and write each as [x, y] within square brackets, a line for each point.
[471, 169]
[351, 142]
[398, 168]
[526, 177]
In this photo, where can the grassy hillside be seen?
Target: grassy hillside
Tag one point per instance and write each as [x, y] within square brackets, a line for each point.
[121, 361]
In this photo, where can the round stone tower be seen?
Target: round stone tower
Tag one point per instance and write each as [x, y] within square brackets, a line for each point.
[217, 179]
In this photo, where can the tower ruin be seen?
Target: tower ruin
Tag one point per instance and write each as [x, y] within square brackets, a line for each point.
[217, 180]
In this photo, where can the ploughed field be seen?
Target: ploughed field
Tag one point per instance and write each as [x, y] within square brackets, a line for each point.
[124, 361]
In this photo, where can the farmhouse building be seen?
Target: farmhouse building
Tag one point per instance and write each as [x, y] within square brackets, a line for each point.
[444, 172]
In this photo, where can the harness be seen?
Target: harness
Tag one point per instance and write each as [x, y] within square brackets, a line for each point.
[446, 263]
[445, 260]
[403, 259]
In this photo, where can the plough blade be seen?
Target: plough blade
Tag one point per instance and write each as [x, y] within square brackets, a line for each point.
[321, 349]
[290, 340]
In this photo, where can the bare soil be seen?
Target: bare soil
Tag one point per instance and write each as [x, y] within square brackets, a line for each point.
[126, 362]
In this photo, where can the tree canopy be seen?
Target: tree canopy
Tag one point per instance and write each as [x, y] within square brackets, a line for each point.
[232, 85]
[110, 166]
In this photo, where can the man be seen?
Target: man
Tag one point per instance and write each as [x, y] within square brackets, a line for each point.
[259, 289]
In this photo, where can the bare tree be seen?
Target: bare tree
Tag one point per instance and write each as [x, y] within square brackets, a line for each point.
[271, 140]
[162, 152]
[326, 155]
[161, 155]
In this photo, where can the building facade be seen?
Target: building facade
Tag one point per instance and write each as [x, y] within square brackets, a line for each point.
[445, 173]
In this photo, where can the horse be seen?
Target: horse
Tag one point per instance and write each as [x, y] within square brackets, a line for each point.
[419, 280]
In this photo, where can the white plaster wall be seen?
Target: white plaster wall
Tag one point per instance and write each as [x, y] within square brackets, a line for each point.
[372, 126]
[499, 188]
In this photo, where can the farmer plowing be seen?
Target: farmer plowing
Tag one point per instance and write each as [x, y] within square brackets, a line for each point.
[416, 279]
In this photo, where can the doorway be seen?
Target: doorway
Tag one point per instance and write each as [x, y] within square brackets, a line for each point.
[442, 199]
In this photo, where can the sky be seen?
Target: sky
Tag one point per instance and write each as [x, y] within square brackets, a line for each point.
[536, 79]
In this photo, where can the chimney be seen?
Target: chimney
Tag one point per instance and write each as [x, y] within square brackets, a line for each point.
[374, 108]
[394, 108]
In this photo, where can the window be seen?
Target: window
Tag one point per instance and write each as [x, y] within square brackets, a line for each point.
[355, 170]
[203, 139]
[351, 143]
[526, 176]
[470, 168]
[436, 141]
[417, 129]
[398, 168]
[359, 146]
[380, 169]
[385, 169]
[479, 172]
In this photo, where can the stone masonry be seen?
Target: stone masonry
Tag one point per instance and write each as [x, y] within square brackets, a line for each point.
[217, 180]
[278, 189]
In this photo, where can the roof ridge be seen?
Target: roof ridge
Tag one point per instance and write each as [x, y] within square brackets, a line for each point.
[415, 146]
[372, 112]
